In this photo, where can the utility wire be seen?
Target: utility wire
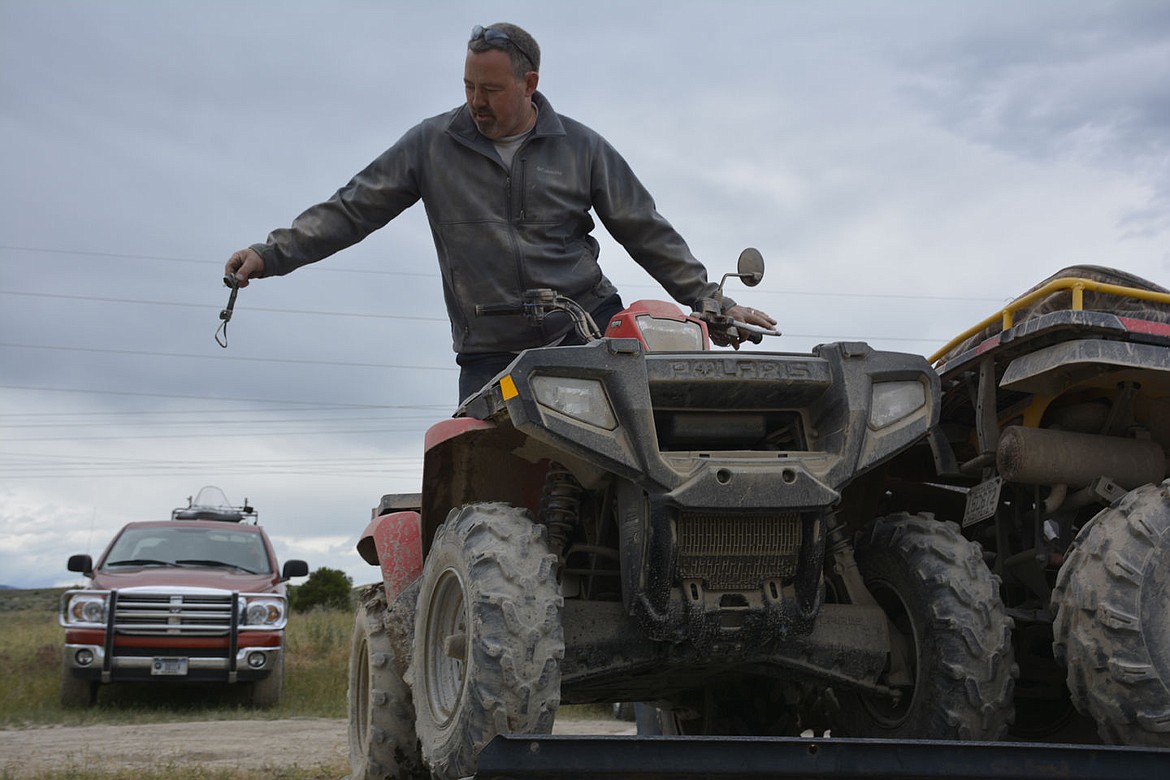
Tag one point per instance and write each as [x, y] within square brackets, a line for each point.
[381, 272]
[124, 256]
[172, 304]
[217, 356]
[220, 399]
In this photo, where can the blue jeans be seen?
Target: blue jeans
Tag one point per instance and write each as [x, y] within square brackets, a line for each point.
[477, 369]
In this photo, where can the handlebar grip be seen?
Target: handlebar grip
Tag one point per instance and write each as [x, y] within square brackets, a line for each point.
[492, 309]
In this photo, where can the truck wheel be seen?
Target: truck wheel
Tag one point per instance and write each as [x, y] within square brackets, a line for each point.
[1110, 628]
[76, 692]
[382, 742]
[266, 693]
[947, 618]
[488, 639]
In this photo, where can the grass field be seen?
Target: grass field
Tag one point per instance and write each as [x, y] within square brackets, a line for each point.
[314, 686]
[30, 649]
[30, 654]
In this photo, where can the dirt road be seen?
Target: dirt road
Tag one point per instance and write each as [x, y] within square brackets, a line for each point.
[226, 744]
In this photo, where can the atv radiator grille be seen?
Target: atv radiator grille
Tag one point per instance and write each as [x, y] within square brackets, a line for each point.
[733, 552]
[170, 614]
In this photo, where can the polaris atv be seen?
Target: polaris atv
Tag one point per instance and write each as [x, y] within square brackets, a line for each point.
[1056, 413]
[643, 519]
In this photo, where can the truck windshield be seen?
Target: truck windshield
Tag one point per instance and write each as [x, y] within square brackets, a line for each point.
[219, 547]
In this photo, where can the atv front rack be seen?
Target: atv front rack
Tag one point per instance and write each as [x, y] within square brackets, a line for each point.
[520, 757]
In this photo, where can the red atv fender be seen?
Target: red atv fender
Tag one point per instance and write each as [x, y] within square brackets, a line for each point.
[394, 542]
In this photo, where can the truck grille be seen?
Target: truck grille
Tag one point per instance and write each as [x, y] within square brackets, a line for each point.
[170, 614]
[733, 552]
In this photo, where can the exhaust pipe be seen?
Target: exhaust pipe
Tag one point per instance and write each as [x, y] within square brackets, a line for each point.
[1042, 456]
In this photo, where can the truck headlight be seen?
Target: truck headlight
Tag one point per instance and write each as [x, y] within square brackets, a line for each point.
[663, 335]
[264, 612]
[583, 400]
[84, 608]
[894, 401]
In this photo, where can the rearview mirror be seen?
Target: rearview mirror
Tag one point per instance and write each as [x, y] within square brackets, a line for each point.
[751, 266]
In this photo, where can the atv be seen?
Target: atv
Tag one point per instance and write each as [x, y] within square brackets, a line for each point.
[643, 519]
[1056, 420]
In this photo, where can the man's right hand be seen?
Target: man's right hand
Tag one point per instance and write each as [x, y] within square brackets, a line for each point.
[244, 265]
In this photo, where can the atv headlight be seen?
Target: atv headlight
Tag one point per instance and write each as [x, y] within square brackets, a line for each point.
[663, 335]
[84, 609]
[264, 612]
[583, 400]
[894, 401]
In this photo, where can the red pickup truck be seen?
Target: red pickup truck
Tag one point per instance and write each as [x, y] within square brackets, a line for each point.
[197, 598]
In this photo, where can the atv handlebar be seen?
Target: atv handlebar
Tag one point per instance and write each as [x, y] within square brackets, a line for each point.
[757, 332]
[536, 304]
[494, 309]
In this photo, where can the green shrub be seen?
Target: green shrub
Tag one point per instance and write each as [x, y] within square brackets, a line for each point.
[327, 588]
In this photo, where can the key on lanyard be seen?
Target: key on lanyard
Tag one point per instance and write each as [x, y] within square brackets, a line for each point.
[225, 315]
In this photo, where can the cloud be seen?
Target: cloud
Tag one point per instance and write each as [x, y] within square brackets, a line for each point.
[903, 168]
[1083, 84]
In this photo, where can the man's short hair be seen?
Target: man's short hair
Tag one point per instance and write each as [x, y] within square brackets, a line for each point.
[522, 48]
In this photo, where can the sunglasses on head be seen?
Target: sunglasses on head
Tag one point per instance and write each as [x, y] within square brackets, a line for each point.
[495, 37]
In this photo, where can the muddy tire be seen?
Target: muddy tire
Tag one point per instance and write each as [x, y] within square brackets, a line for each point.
[76, 692]
[267, 693]
[382, 741]
[488, 639]
[1111, 629]
[944, 603]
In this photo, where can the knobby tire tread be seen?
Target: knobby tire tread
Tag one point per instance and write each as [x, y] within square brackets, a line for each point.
[1116, 650]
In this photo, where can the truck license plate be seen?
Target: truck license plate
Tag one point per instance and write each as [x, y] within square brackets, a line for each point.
[169, 666]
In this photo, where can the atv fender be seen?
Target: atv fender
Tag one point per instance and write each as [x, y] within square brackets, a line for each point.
[394, 542]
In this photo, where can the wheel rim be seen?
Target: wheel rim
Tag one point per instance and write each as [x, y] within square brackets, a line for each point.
[890, 712]
[362, 710]
[446, 670]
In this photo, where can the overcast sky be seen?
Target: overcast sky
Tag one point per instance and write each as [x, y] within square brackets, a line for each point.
[904, 167]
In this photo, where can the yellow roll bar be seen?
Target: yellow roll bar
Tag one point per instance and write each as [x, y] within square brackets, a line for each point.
[1077, 285]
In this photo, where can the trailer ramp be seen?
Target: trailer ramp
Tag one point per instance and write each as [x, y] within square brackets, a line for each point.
[520, 757]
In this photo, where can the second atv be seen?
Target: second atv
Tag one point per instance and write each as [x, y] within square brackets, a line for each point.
[1057, 419]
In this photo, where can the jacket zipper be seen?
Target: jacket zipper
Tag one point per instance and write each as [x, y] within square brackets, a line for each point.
[523, 176]
[519, 200]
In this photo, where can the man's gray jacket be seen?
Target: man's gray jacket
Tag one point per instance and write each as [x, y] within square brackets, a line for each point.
[497, 231]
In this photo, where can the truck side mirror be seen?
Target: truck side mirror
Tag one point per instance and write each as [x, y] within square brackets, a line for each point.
[81, 563]
[294, 568]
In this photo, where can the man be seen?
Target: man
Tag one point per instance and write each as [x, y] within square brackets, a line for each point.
[507, 185]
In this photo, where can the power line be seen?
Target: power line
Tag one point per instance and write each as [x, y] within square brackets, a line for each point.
[196, 261]
[221, 470]
[252, 420]
[380, 272]
[222, 399]
[217, 434]
[174, 304]
[215, 356]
